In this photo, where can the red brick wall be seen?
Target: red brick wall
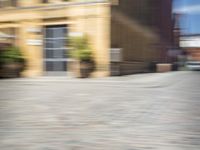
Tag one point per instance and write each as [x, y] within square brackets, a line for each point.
[194, 53]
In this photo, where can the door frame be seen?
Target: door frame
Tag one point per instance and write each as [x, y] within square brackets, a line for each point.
[53, 73]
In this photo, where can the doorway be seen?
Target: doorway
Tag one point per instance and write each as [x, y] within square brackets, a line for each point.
[55, 50]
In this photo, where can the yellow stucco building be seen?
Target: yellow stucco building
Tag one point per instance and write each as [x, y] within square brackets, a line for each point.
[40, 28]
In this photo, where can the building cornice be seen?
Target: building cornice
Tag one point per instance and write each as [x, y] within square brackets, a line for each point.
[52, 6]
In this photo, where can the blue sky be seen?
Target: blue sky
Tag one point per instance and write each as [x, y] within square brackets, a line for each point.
[191, 19]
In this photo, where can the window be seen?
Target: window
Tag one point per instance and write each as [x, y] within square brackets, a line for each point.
[8, 3]
[114, 2]
[45, 1]
[4, 3]
[14, 3]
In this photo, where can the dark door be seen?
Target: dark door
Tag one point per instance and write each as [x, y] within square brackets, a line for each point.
[55, 50]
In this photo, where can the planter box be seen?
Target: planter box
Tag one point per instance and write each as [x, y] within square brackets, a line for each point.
[163, 68]
[81, 69]
[11, 70]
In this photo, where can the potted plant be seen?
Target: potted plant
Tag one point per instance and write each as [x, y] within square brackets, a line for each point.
[11, 62]
[82, 52]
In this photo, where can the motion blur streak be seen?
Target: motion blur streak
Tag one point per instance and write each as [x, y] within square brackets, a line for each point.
[99, 75]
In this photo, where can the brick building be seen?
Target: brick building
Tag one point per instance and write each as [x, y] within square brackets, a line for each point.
[143, 29]
[191, 45]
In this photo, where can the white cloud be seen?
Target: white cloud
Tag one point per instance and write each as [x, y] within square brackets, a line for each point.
[193, 9]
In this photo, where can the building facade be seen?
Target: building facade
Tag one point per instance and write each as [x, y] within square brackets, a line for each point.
[191, 46]
[40, 28]
[141, 29]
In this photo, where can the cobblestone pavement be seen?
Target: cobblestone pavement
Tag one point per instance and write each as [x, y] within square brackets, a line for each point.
[142, 112]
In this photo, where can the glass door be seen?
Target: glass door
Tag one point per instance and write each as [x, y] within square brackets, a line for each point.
[55, 50]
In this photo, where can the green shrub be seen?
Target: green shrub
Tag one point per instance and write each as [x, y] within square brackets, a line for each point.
[80, 48]
[11, 55]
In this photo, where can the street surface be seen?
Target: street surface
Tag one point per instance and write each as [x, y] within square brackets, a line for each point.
[138, 112]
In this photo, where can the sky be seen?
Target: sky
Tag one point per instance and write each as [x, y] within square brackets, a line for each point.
[190, 21]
